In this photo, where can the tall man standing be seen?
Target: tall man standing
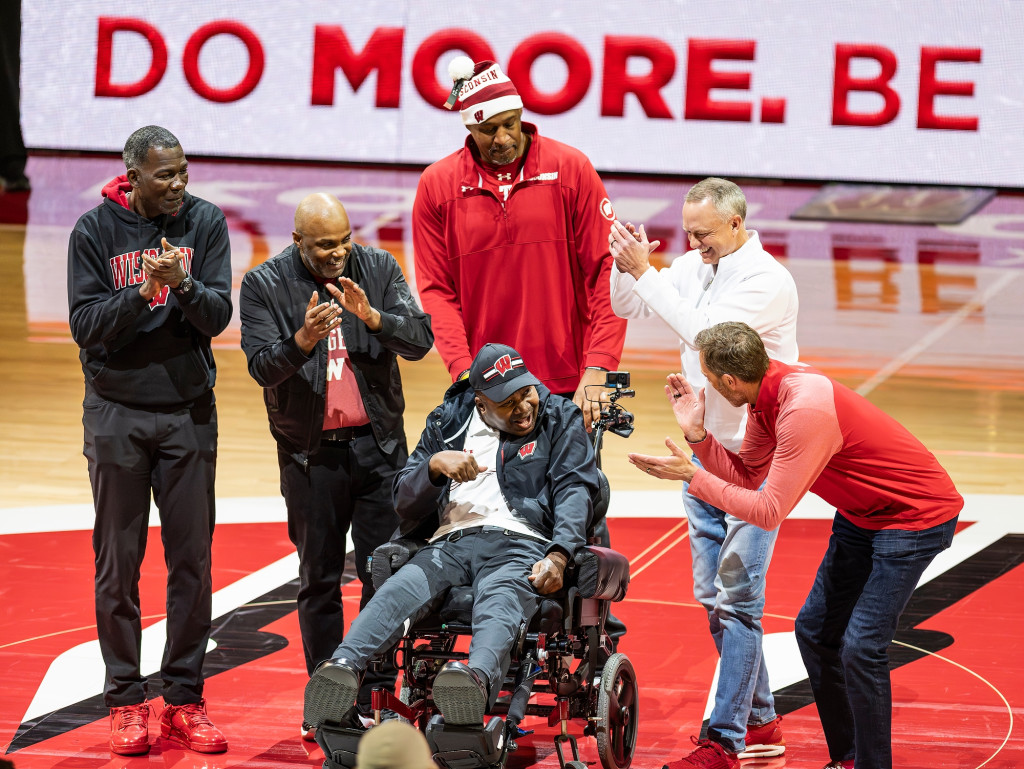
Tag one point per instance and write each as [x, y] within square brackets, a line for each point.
[510, 245]
[726, 275]
[896, 509]
[149, 283]
[323, 324]
[509, 236]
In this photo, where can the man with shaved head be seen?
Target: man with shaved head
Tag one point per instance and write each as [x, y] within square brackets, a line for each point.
[323, 324]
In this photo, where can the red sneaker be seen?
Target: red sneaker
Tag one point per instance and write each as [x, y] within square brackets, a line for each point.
[765, 741]
[708, 755]
[189, 726]
[129, 730]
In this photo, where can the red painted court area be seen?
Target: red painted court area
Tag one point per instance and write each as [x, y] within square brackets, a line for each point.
[956, 677]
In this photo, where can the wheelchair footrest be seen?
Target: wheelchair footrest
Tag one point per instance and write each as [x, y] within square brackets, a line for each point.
[339, 745]
[466, 747]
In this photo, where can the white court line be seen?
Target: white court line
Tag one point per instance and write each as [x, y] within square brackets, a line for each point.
[1002, 510]
[77, 673]
[978, 301]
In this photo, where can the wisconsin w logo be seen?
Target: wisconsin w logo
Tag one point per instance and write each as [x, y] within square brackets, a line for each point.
[502, 366]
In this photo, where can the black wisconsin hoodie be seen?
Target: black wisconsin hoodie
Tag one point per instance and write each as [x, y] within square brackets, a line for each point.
[147, 354]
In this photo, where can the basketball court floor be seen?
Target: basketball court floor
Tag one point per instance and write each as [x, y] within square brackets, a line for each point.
[927, 322]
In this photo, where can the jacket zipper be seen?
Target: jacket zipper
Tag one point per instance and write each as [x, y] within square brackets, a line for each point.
[316, 373]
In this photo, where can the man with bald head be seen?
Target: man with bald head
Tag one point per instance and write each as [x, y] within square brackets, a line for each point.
[323, 324]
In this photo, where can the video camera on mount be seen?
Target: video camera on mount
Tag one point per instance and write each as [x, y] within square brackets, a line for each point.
[614, 418]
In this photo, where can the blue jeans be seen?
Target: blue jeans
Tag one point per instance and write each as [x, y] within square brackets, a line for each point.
[730, 561]
[846, 625]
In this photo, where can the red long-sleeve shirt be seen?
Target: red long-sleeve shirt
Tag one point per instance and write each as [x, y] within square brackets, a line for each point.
[807, 432]
[531, 272]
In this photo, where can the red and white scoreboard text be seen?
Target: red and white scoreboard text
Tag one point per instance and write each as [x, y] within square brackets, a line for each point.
[927, 92]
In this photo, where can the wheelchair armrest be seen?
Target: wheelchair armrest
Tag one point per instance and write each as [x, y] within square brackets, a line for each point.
[601, 573]
[390, 557]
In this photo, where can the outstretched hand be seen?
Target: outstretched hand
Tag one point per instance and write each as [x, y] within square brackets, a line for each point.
[675, 467]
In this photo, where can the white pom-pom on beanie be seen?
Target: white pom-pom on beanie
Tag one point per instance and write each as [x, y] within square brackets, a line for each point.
[460, 68]
[485, 92]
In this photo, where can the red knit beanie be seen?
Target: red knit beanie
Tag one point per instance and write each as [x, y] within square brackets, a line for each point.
[482, 90]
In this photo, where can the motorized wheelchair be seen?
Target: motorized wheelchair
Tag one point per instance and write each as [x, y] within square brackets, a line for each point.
[564, 655]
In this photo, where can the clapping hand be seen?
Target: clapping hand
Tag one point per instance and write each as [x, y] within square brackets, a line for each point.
[351, 297]
[164, 270]
[320, 319]
[688, 407]
[630, 248]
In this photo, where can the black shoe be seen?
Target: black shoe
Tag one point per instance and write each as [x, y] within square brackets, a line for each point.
[460, 693]
[17, 184]
[331, 693]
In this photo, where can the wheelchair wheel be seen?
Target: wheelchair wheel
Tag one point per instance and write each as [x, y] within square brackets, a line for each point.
[617, 713]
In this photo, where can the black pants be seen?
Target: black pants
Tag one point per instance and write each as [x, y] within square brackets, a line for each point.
[346, 484]
[12, 147]
[132, 453]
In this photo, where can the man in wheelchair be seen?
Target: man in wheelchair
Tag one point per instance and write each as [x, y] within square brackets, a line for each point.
[503, 483]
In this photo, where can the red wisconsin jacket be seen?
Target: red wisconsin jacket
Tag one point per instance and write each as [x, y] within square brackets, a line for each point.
[531, 272]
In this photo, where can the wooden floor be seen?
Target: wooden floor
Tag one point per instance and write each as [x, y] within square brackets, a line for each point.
[952, 372]
[928, 323]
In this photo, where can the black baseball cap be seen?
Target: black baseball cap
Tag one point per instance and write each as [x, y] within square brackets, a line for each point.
[498, 371]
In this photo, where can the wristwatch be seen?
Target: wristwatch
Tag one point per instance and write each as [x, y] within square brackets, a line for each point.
[185, 286]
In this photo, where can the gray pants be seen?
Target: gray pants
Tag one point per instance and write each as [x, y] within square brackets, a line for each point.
[495, 564]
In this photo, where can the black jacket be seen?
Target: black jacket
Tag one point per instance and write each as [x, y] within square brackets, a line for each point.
[553, 484]
[272, 305]
[143, 354]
